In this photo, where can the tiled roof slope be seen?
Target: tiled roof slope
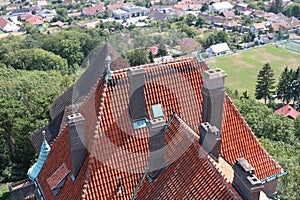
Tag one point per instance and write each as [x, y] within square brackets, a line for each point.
[187, 177]
[89, 78]
[83, 86]
[177, 87]
[120, 155]
[60, 154]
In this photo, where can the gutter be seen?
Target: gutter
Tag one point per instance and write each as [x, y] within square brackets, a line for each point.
[274, 176]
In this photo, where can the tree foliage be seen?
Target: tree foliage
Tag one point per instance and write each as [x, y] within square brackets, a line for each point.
[35, 59]
[265, 83]
[276, 6]
[138, 57]
[292, 10]
[25, 98]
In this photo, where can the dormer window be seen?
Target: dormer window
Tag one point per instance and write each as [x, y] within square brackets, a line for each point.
[57, 180]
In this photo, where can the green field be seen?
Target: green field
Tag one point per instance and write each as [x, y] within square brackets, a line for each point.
[242, 68]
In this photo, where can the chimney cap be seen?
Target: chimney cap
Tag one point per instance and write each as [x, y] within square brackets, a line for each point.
[135, 71]
[214, 73]
[74, 118]
[246, 166]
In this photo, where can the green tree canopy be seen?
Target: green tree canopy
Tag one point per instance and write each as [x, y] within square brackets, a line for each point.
[35, 59]
[138, 57]
[265, 83]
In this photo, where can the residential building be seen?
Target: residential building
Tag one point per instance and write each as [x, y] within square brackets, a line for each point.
[218, 49]
[8, 26]
[189, 44]
[287, 111]
[220, 7]
[89, 11]
[45, 13]
[256, 27]
[157, 131]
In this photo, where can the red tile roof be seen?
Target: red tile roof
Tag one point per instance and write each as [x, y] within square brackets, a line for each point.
[287, 111]
[93, 10]
[116, 6]
[3, 22]
[175, 182]
[119, 154]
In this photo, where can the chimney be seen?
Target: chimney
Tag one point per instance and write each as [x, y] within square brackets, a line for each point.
[77, 145]
[157, 146]
[213, 97]
[137, 104]
[210, 139]
[244, 180]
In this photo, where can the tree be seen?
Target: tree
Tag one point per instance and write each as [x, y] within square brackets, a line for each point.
[138, 57]
[200, 21]
[189, 19]
[265, 83]
[276, 6]
[162, 51]
[36, 59]
[151, 57]
[296, 85]
[284, 86]
[204, 7]
[292, 10]
[25, 98]
[271, 29]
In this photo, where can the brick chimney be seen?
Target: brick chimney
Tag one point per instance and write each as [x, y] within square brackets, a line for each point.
[77, 147]
[210, 139]
[212, 111]
[137, 104]
[244, 180]
[213, 97]
[157, 146]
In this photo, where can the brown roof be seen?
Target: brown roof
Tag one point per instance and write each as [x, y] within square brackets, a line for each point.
[120, 154]
[188, 42]
[229, 15]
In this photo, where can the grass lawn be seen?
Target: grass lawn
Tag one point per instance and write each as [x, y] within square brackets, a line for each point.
[243, 67]
[4, 193]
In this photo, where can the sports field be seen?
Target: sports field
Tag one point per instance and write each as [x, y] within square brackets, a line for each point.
[243, 67]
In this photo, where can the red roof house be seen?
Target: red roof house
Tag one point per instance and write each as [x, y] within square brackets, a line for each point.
[151, 132]
[93, 10]
[287, 111]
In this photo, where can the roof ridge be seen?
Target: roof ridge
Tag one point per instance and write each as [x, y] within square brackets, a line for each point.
[159, 64]
[228, 99]
[93, 145]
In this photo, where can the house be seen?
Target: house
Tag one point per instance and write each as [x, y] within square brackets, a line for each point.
[287, 111]
[157, 15]
[189, 44]
[89, 11]
[42, 3]
[135, 11]
[220, 7]
[154, 49]
[8, 26]
[45, 13]
[35, 20]
[277, 26]
[256, 27]
[228, 14]
[19, 11]
[218, 49]
[158, 131]
[113, 7]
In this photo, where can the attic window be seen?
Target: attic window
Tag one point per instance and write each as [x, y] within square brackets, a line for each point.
[57, 180]
[139, 124]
